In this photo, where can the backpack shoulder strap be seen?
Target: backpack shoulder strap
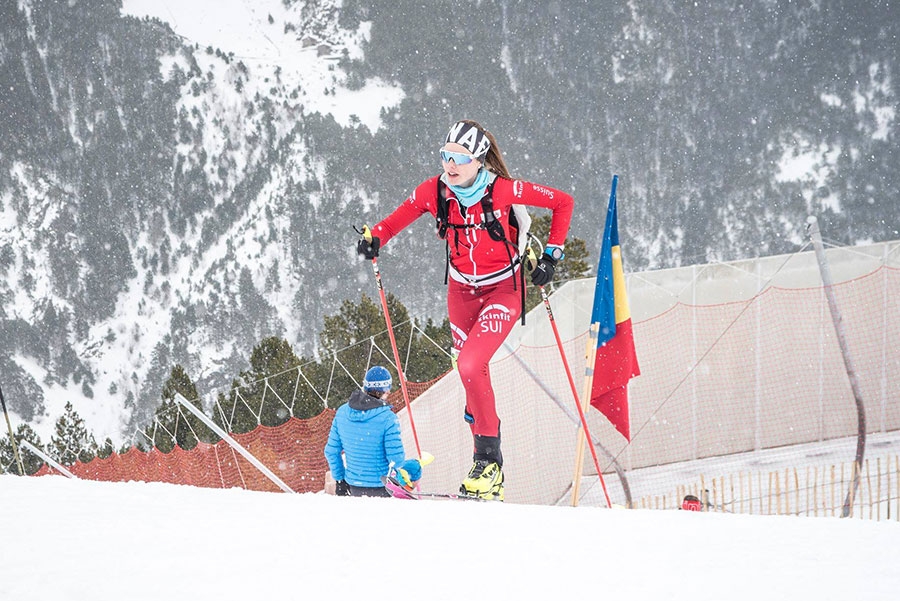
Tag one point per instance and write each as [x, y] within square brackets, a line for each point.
[442, 213]
[518, 216]
[487, 210]
[441, 219]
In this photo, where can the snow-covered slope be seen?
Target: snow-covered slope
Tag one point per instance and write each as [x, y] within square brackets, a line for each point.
[84, 541]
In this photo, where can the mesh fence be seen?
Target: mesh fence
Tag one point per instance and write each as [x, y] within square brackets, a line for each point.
[292, 451]
[759, 381]
[729, 379]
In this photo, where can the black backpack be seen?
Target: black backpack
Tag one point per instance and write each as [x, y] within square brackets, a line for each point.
[519, 222]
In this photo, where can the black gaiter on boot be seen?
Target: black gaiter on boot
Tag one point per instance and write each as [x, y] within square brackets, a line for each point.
[488, 447]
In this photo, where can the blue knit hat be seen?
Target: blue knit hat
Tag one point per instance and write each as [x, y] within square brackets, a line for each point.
[377, 379]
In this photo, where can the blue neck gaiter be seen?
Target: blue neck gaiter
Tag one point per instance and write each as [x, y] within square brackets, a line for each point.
[468, 196]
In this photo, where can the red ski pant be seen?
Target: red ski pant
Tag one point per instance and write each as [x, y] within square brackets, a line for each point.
[480, 320]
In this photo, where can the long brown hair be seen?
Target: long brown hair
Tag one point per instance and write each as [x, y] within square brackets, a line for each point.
[494, 160]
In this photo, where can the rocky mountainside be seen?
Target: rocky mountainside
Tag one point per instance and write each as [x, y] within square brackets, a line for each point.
[164, 199]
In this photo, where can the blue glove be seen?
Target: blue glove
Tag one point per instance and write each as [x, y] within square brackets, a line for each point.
[408, 472]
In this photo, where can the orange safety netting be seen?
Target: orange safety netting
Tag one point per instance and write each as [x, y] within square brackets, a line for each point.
[293, 451]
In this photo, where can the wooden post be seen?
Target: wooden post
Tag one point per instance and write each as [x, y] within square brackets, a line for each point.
[869, 487]
[759, 482]
[815, 491]
[842, 475]
[861, 493]
[731, 488]
[878, 480]
[807, 490]
[787, 492]
[837, 320]
[832, 491]
[847, 510]
[777, 492]
[750, 490]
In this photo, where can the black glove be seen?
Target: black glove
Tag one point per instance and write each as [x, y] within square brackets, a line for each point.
[543, 273]
[368, 249]
[341, 488]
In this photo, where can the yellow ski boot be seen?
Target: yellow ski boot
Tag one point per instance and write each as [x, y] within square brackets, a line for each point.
[485, 481]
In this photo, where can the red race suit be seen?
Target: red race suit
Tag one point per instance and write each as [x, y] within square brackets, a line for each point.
[482, 301]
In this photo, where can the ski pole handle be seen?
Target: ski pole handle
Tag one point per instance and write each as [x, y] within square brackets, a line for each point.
[367, 234]
[531, 260]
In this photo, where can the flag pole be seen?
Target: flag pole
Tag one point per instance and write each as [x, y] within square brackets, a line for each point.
[590, 355]
[590, 358]
[583, 430]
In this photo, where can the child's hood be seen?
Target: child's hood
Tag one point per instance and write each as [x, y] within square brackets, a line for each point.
[364, 407]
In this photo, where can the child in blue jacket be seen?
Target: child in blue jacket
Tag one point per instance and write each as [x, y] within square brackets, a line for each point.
[367, 432]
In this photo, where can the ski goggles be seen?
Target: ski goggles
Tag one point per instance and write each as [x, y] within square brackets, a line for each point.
[459, 158]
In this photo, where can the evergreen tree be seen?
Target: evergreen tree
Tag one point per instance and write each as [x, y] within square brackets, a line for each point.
[345, 338]
[106, 449]
[265, 394]
[230, 414]
[31, 462]
[308, 402]
[357, 337]
[72, 442]
[174, 424]
[273, 379]
[574, 266]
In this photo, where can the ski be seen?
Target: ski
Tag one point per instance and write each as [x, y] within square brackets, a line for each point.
[398, 491]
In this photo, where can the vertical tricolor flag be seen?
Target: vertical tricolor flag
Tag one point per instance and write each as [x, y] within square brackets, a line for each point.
[616, 362]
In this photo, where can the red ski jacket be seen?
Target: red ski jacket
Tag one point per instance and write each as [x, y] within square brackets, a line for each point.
[474, 255]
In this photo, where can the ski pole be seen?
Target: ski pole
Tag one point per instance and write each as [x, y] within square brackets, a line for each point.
[532, 260]
[12, 440]
[367, 234]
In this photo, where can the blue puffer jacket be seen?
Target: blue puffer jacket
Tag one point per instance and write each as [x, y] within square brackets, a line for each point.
[368, 433]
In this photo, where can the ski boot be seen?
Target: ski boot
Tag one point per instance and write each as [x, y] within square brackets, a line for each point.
[485, 481]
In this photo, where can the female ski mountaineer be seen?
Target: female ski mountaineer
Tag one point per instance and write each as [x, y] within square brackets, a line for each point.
[476, 205]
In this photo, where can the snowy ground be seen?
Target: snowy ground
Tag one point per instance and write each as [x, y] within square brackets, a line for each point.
[80, 540]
